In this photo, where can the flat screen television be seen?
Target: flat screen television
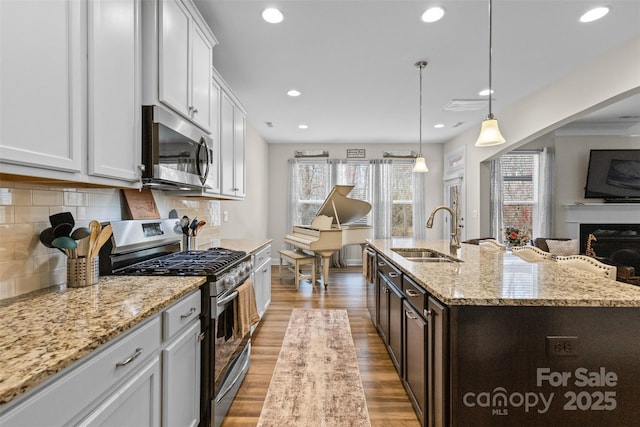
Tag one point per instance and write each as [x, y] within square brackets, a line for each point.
[614, 175]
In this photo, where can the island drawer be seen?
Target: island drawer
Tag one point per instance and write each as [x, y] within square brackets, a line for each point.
[392, 274]
[415, 294]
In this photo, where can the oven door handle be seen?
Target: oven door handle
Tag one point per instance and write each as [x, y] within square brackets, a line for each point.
[222, 302]
[226, 390]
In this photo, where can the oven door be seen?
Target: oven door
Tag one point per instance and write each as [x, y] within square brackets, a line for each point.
[231, 359]
[176, 154]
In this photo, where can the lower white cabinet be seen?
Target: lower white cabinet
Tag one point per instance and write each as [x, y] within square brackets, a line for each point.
[262, 278]
[135, 403]
[138, 379]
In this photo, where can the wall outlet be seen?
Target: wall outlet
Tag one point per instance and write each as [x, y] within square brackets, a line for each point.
[562, 346]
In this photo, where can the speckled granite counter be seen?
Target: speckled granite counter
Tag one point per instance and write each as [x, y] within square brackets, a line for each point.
[43, 333]
[485, 277]
[247, 245]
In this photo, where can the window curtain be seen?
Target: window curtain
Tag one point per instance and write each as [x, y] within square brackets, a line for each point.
[495, 215]
[381, 198]
[419, 208]
[292, 203]
[545, 224]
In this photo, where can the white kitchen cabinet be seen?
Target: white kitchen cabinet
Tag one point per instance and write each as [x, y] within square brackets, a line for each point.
[75, 66]
[135, 403]
[114, 89]
[262, 278]
[232, 148]
[42, 84]
[138, 379]
[183, 45]
[89, 387]
[181, 363]
[181, 378]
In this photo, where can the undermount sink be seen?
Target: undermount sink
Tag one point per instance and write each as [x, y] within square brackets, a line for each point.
[423, 255]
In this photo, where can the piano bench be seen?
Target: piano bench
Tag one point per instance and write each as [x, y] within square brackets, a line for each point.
[298, 259]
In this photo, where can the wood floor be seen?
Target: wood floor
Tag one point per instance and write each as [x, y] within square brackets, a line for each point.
[387, 400]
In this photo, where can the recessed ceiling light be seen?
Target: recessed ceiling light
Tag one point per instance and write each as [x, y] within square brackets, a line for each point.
[485, 92]
[293, 92]
[272, 15]
[432, 14]
[303, 126]
[438, 126]
[594, 14]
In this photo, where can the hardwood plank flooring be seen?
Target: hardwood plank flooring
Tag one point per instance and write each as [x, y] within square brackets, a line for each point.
[387, 401]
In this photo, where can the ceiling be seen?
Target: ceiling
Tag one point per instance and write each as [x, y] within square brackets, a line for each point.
[354, 61]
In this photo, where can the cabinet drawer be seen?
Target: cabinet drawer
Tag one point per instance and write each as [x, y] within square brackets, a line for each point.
[261, 256]
[181, 314]
[415, 294]
[75, 390]
[390, 272]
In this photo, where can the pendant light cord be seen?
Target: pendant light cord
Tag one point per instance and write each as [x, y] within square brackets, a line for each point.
[490, 57]
[420, 66]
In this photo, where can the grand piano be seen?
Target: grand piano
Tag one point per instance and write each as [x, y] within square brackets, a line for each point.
[332, 227]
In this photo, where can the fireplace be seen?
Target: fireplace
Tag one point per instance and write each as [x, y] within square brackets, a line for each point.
[616, 244]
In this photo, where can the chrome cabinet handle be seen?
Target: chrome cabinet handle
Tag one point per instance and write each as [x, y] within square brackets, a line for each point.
[393, 274]
[410, 315]
[380, 263]
[189, 313]
[412, 293]
[130, 359]
[427, 313]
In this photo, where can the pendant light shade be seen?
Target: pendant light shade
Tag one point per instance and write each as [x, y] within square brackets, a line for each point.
[490, 132]
[421, 165]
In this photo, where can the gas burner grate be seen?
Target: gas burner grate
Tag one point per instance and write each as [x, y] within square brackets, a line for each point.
[189, 263]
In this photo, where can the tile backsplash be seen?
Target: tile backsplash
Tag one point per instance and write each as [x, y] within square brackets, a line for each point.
[27, 265]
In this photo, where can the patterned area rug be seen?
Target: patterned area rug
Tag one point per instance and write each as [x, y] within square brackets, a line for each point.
[316, 381]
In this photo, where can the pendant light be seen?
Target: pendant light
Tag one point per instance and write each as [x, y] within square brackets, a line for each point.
[420, 165]
[490, 133]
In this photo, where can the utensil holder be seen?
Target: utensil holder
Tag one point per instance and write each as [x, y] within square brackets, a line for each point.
[81, 272]
[189, 243]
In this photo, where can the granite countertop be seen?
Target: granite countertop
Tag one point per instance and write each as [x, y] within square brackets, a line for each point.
[486, 277]
[45, 332]
[247, 245]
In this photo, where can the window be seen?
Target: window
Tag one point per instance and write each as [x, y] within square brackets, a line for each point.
[519, 190]
[389, 186]
[401, 199]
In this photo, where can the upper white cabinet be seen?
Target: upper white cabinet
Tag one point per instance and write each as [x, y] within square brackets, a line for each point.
[42, 85]
[69, 90]
[177, 59]
[232, 147]
[114, 88]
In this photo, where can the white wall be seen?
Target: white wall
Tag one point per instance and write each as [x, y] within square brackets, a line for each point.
[612, 77]
[278, 179]
[248, 218]
[572, 157]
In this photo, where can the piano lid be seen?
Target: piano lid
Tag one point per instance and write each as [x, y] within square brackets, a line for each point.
[348, 210]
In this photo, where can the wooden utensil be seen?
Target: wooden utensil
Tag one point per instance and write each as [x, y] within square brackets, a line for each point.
[104, 235]
[95, 228]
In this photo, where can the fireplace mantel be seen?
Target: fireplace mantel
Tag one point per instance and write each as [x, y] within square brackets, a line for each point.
[611, 213]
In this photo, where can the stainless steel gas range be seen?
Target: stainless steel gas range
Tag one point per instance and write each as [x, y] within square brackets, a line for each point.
[152, 248]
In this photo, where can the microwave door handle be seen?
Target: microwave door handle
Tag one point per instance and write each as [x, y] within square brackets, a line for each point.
[203, 145]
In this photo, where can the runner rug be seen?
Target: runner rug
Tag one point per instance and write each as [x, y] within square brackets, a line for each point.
[316, 381]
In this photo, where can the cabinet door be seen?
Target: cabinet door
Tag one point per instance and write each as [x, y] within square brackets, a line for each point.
[114, 89]
[415, 360]
[226, 145]
[42, 84]
[238, 152]
[216, 95]
[383, 309]
[201, 76]
[181, 379]
[437, 357]
[395, 328]
[135, 403]
[173, 55]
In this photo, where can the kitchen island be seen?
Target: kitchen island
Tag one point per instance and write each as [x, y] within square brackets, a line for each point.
[509, 341]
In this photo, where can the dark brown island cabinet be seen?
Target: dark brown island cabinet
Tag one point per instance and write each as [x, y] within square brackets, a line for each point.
[466, 364]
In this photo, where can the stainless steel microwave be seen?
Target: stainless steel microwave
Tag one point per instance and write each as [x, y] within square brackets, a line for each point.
[177, 155]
